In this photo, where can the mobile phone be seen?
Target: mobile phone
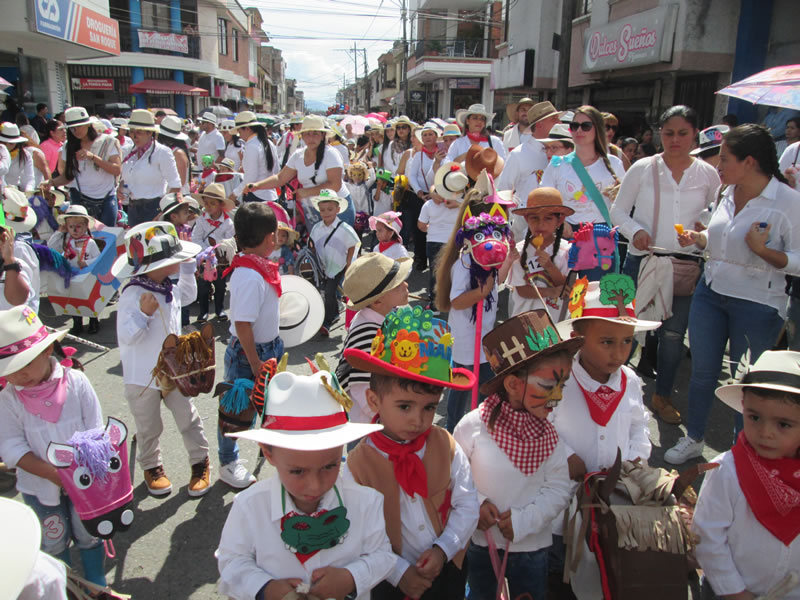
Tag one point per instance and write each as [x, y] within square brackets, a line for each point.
[440, 146]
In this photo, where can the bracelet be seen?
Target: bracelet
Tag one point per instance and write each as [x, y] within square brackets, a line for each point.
[14, 266]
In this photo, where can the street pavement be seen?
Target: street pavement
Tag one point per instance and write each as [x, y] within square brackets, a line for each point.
[169, 550]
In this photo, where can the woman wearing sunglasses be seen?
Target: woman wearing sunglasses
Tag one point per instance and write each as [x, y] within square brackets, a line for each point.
[612, 130]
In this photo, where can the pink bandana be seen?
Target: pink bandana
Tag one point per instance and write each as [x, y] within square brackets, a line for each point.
[46, 399]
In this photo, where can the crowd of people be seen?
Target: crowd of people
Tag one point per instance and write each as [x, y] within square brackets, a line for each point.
[613, 250]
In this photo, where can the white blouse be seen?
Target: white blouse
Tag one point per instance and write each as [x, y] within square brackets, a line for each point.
[254, 166]
[91, 180]
[20, 172]
[151, 175]
[462, 144]
[420, 172]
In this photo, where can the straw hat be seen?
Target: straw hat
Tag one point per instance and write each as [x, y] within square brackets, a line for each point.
[318, 422]
[450, 181]
[559, 133]
[512, 109]
[451, 129]
[480, 158]
[544, 198]
[62, 195]
[777, 370]
[9, 133]
[247, 118]
[301, 309]
[710, 137]
[76, 116]
[171, 126]
[475, 109]
[391, 219]
[227, 125]
[327, 195]
[296, 118]
[208, 117]
[404, 120]
[23, 337]
[143, 120]
[540, 111]
[18, 555]
[150, 246]
[371, 276]
[76, 210]
[227, 162]
[216, 191]
[427, 127]
[313, 123]
[19, 215]
[171, 202]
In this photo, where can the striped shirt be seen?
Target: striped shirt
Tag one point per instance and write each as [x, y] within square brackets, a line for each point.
[362, 330]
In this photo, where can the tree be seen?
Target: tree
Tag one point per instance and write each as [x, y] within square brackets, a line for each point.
[617, 289]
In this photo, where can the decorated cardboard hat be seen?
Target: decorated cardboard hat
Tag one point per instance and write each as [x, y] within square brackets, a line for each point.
[451, 181]
[76, 210]
[519, 341]
[511, 109]
[391, 219]
[710, 138]
[480, 158]
[777, 370]
[610, 299]
[328, 195]
[371, 276]
[317, 422]
[23, 337]
[150, 246]
[413, 344]
[19, 215]
[544, 199]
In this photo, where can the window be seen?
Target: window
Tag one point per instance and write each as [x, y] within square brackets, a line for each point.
[155, 17]
[582, 8]
[222, 35]
[235, 44]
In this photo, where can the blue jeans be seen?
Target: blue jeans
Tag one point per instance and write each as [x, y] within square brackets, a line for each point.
[792, 321]
[433, 249]
[349, 215]
[459, 401]
[60, 524]
[102, 209]
[526, 572]
[713, 320]
[142, 211]
[238, 367]
[331, 298]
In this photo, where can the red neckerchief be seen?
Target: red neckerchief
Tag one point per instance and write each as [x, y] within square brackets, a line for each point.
[772, 489]
[265, 267]
[214, 223]
[526, 440]
[138, 152]
[477, 137]
[207, 172]
[604, 402]
[223, 177]
[430, 154]
[408, 468]
[384, 246]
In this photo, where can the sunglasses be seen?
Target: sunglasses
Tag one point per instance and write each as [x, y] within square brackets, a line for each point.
[585, 126]
[614, 127]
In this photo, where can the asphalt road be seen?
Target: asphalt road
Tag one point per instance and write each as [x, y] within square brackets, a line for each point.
[169, 550]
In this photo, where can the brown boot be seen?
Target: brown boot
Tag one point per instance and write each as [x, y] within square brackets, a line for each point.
[157, 482]
[665, 411]
[201, 476]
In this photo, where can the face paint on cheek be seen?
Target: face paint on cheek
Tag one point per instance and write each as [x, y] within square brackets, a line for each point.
[554, 387]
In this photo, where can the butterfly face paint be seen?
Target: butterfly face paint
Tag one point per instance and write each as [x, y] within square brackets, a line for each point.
[543, 392]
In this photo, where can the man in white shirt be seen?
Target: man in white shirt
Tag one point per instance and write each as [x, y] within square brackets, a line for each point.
[519, 126]
[211, 141]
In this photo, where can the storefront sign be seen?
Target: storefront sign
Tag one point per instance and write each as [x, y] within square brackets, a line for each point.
[70, 21]
[416, 96]
[464, 84]
[641, 39]
[87, 83]
[172, 42]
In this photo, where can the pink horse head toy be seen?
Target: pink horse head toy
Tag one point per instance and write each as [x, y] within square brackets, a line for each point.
[93, 467]
[593, 246]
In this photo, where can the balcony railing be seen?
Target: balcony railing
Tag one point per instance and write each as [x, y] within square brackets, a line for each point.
[464, 48]
[126, 44]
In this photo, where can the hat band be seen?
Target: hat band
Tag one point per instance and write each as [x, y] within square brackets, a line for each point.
[610, 313]
[773, 377]
[305, 423]
[168, 130]
[25, 344]
[383, 283]
[154, 257]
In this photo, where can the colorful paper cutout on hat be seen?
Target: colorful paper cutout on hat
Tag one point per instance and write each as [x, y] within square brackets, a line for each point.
[577, 298]
[541, 340]
[617, 289]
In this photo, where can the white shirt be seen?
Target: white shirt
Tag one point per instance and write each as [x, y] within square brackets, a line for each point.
[395, 251]
[679, 202]
[141, 336]
[330, 160]
[420, 172]
[440, 219]
[210, 143]
[20, 171]
[152, 174]
[462, 144]
[29, 263]
[235, 154]
[416, 528]
[790, 158]
[253, 301]
[362, 330]
[203, 230]
[333, 254]
[516, 277]
[460, 320]
[512, 138]
[290, 142]
[566, 180]
[534, 500]
[778, 205]
[90, 254]
[735, 551]
[343, 152]
[522, 173]
[5, 165]
[21, 432]
[91, 180]
[392, 157]
[38, 176]
[126, 147]
[251, 552]
[361, 193]
[254, 166]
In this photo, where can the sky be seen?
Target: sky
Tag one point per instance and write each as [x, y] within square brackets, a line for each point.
[313, 35]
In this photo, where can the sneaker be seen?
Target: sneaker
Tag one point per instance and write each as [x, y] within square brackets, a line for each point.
[157, 482]
[94, 325]
[202, 318]
[323, 331]
[200, 481]
[222, 315]
[235, 475]
[685, 449]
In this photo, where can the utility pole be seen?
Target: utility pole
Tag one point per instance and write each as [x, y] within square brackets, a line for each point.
[564, 46]
[366, 81]
[404, 80]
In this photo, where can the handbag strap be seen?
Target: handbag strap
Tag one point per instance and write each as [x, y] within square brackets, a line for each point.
[498, 567]
[656, 199]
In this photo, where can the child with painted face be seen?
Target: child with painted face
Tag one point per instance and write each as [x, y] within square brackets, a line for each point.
[748, 514]
[430, 503]
[518, 461]
[307, 529]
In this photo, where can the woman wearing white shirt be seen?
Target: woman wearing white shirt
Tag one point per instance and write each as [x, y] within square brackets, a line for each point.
[41, 170]
[393, 156]
[752, 242]
[171, 135]
[686, 187]
[473, 121]
[20, 170]
[260, 158]
[234, 145]
[149, 170]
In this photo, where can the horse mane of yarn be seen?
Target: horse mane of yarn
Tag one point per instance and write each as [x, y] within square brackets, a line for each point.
[93, 451]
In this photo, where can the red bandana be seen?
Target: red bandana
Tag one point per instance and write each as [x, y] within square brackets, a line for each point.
[213, 223]
[223, 177]
[477, 137]
[207, 172]
[526, 440]
[408, 468]
[268, 269]
[384, 246]
[604, 401]
[429, 154]
[772, 489]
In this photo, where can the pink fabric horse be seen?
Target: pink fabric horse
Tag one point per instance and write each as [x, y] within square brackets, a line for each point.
[594, 246]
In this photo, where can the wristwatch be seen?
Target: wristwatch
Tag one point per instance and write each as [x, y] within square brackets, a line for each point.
[14, 266]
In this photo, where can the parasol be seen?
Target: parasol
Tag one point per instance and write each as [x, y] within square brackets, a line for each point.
[778, 86]
[357, 121]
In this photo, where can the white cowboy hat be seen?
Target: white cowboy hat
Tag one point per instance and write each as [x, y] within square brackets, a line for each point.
[391, 219]
[171, 202]
[777, 370]
[559, 133]
[76, 210]
[76, 116]
[143, 120]
[313, 123]
[227, 125]
[171, 126]
[404, 120]
[19, 215]
[318, 422]
[427, 127]
[9, 133]
[327, 195]
[296, 118]
[247, 118]
[709, 138]
[371, 276]
[208, 117]
[23, 337]
[150, 246]
[119, 123]
[450, 181]
[18, 555]
[302, 311]
[474, 109]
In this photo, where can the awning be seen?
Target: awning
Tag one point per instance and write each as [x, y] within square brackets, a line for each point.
[165, 86]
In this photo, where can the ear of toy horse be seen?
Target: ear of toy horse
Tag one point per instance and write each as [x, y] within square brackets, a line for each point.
[116, 430]
[60, 455]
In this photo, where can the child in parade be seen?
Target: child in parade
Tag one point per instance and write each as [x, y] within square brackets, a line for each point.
[19, 277]
[285, 240]
[229, 178]
[42, 402]
[748, 514]
[255, 290]
[430, 504]
[46, 204]
[149, 309]
[74, 240]
[212, 227]
[181, 212]
[375, 285]
[360, 180]
[306, 530]
[387, 227]
[209, 171]
[336, 244]
[518, 461]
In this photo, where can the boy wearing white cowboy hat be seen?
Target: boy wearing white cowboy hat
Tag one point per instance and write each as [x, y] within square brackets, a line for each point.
[387, 227]
[602, 409]
[474, 123]
[44, 401]
[748, 516]
[336, 244]
[149, 310]
[306, 530]
[19, 273]
[211, 141]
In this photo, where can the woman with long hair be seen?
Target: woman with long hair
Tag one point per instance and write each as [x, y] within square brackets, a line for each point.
[474, 123]
[41, 170]
[260, 158]
[791, 135]
[612, 129]
[89, 166]
[687, 187]
[234, 144]
[395, 151]
[751, 244]
[56, 134]
[171, 134]
[20, 172]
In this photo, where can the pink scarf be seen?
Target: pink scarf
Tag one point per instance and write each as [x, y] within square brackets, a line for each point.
[45, 399]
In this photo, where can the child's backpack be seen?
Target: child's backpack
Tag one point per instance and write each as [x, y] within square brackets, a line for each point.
[309, 267]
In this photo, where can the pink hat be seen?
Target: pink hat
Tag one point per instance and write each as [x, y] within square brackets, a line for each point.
[391, 219]
[283, 220]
